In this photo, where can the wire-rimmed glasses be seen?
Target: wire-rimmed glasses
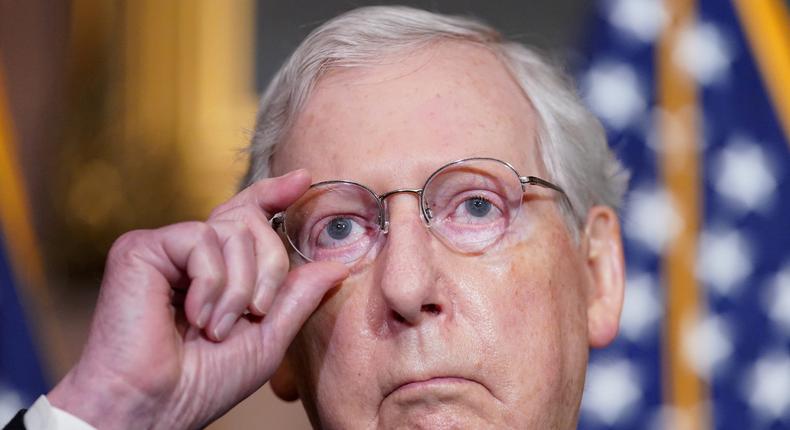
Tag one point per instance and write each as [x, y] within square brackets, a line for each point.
[468, 204]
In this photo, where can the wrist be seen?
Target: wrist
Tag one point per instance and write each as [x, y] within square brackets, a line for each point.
[103, 403]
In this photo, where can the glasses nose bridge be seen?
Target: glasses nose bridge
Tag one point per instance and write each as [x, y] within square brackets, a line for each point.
[383, 199]
[417, 191]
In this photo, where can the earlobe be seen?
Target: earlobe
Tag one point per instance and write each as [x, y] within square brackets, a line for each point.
[283, 382]
[606, 268]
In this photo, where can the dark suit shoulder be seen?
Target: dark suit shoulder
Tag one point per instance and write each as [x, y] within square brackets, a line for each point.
[18, 422]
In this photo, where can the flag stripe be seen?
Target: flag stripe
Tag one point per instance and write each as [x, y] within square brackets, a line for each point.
[767, 27]
[14, 215]
[679, 134]
[18, 238]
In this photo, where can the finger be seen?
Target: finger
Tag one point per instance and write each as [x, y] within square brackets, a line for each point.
[272, 195]
[270, 255]
[192, 247]
[273, 267]
[239, 258]
[299, 296]
[171, 251]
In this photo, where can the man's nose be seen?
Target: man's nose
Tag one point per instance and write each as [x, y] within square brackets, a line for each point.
[408, 276]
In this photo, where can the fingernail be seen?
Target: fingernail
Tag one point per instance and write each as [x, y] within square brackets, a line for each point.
[223, 328]
[204, 315]
[259, 302]
[260, 297]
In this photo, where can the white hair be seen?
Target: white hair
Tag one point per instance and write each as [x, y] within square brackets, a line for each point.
[571, 141]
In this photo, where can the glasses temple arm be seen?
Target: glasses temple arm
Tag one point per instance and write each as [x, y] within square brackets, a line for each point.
[534, 180]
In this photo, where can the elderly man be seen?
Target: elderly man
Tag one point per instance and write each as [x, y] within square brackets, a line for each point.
[450, 266]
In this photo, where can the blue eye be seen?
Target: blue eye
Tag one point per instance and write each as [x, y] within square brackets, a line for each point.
[339, 228]
[340, 236]
[478, 207]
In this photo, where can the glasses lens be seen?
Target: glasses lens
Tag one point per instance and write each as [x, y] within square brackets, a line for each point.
[472, 203]
[335, 221]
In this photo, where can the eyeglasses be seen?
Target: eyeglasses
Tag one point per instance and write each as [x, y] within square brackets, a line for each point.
[468, 204]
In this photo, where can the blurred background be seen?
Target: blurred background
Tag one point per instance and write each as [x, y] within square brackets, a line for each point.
[118, 115]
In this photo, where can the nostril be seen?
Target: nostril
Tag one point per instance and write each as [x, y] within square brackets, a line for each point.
[398, 317]
[432, 308]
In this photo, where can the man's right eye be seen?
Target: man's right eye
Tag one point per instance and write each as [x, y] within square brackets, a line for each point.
[339, 228]
[343, 238]
[338, 232]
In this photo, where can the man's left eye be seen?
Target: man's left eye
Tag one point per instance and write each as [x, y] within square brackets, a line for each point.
[478, 206]
[476, 210]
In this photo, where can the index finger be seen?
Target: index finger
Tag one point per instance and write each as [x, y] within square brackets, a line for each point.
[272, 195]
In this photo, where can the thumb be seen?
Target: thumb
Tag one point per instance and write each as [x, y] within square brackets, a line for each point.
[297, 299]
[272, 195]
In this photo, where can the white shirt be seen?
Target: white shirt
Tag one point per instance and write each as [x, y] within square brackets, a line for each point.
[43, 416]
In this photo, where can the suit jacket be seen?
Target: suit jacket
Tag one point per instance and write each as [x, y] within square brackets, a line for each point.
[18, 422]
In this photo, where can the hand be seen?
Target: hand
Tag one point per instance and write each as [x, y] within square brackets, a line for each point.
[169, 345]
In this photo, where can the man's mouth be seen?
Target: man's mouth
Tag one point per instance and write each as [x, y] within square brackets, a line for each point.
[436, 382]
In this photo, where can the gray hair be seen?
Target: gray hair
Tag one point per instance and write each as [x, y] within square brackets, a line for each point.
[571, 141]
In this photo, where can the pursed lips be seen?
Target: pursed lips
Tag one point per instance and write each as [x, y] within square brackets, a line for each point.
[424, 383]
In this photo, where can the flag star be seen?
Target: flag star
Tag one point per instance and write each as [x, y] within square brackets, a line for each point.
[642, 19]
[742, 174]
[642, 308]
[613, 91]
[776, 301]
[704, 53]
[612, 390]
[724, 260]
[707, 345]
[767, 386]
[651, 218]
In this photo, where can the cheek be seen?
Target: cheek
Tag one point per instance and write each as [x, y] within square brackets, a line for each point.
[333, 350]
[323, 335]
[547, 278]
[546, 289]
[541, 320]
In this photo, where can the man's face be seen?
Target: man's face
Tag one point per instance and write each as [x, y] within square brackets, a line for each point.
[426, 337]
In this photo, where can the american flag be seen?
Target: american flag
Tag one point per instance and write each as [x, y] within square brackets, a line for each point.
[695, 97]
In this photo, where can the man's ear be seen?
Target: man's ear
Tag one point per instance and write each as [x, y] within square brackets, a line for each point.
[283, 381]
[605, 266]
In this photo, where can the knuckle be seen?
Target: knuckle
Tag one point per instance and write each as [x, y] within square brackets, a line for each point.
[269, 237]
[202, 231]
[231, 232]
[129, 245]
[214, 278]
[240, 229]
[277, 259]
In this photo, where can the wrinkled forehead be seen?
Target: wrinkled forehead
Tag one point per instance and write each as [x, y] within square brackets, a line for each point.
[393, 123]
